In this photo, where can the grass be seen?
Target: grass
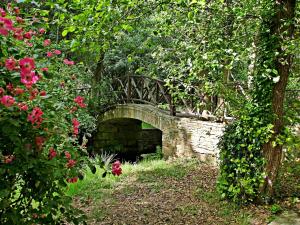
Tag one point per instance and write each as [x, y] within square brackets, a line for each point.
[95, 185]
[147, 126]
[153, 182]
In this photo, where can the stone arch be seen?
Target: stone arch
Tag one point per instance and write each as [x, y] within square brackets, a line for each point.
[148, 114]
[180, 136]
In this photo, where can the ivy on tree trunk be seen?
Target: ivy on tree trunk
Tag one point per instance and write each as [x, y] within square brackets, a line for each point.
[282, 29]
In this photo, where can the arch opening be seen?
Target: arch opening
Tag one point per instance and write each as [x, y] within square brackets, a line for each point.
[129, 139]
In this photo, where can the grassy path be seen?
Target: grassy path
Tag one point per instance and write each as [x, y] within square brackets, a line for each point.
[160, 192]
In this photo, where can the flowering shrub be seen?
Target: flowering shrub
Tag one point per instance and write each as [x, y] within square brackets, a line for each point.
[40, 120]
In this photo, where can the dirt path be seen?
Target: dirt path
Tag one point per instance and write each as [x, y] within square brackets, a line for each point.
[182, 194]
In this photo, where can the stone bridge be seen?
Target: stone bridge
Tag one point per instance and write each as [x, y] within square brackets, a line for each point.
[179, 136]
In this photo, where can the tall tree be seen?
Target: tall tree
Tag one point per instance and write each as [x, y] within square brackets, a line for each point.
[281, 31]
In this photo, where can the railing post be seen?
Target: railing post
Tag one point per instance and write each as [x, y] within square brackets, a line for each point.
[128, 89]
[172, 107]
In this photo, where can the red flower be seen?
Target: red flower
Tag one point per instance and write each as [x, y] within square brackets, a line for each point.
[27, 65]
[43, 93]
[39, 141]
[52, 153]
[2, 12]
[33, 94]
[5, 26]
[1, 91]
[116, 168]
[7, 100]
[71, 163]
[68, 62]
[72, 180]
[80, 101]
[18, 33]
[49, 54]
[9, 158]
[17, 10]
[9, 87]
[18, 91]
[35, 117]
[68, 155]
[76, 125]
[22, 106]
[57, 52]
[42, 31]
[47, 42]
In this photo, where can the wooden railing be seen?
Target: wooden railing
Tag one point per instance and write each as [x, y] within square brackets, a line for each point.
[142, 89]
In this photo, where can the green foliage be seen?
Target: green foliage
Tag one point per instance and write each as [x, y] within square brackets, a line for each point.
[275, 209]
[242, 163]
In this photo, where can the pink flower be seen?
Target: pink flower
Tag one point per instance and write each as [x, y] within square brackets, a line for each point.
[47, 42]
[7, 100]
[35, 117]
[49, 54]
[28, 43]
[73, 109]
[27, 65]
[52, 153]
[29, 78]
[45, 69]
[57, 52]
[116, 168]
[80, 101]
[42, 31]
[68, 62]
[76, 125]
[22, 106]
[71, 163]
[68, 155]
[19, 19]
[10, 64]
[5, 26]
[2, 12]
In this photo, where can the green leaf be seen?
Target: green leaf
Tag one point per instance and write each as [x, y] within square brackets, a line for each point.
[65, 32]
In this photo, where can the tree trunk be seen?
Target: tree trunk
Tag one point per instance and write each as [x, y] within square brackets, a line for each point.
[285, 10]
[98, 76]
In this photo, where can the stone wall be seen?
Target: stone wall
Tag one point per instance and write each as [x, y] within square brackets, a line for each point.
[126, 137]
[149, 139]
[118, 135]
